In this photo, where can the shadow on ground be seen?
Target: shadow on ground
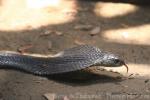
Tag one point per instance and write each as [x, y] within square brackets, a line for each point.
[83, 78]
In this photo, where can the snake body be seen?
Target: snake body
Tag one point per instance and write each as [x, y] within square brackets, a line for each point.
[71, 59]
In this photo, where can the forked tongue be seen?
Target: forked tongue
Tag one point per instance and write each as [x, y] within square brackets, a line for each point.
[126, 67]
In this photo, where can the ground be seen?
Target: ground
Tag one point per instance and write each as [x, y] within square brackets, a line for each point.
[120, 28]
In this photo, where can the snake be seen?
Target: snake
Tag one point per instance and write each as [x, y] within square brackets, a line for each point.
[71, 59]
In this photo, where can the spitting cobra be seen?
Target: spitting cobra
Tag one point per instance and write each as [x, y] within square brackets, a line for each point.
[71, 59]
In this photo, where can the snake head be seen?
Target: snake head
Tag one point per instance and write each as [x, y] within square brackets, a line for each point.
[111, 60]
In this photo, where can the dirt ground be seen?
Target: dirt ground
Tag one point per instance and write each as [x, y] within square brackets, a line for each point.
[120, 28]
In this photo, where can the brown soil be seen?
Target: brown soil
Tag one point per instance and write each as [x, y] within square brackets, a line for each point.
[120, 28]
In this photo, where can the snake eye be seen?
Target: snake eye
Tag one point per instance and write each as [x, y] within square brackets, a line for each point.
[116, 61]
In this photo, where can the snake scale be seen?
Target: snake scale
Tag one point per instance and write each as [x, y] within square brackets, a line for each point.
[71, 59]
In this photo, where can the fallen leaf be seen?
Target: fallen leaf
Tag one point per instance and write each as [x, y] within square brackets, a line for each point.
[50, 96]
[49, 45]
[47, 32]
[83, 27]
[24, 48]
[146, 81]
[95, 31]
[79, 42]
[58, 33]
[66, 98]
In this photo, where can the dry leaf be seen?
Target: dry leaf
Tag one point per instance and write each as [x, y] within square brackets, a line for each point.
[66, 98]
[24, 48]
[58, 33]
[83, 27]
[79, 42]
[95, 31]
[50, 96]
[47, 32]
[49, 45]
